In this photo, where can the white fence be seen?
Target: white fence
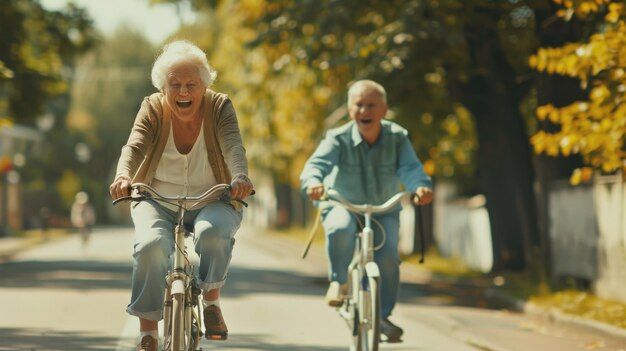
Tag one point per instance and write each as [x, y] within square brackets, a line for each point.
[461, 227]
[609, 194]
[587, 232]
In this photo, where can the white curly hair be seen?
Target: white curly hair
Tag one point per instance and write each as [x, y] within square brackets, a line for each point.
[177, 52]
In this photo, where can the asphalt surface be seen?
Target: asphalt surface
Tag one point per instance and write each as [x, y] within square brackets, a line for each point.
[469, 311]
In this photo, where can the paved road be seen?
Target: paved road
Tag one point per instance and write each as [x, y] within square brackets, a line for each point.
[62, 296]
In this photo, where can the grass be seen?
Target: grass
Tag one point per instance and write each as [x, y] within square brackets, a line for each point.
[534, 287]
[38, 233]
[443, 266]
[299, 234]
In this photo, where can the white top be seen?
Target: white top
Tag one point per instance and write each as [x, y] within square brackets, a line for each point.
[184, 174]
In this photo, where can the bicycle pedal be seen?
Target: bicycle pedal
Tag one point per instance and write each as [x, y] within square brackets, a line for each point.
[218, 337]
[384, 338]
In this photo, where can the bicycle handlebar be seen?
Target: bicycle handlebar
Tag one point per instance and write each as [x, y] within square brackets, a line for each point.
[141, 191]
[333, 195]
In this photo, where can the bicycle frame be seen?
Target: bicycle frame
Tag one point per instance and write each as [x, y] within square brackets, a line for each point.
[181, 322]
[180, 289]
[361, 308]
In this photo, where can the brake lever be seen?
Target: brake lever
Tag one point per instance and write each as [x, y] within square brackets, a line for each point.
[122, 199]
[413, 196]
[224, 197]
[130, 198]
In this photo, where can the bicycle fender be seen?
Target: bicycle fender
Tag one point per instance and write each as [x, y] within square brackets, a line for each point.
[178, 287]
[372, 270]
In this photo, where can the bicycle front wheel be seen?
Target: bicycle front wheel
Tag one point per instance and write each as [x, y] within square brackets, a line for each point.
[174, 337]
[194, 332]
[183, 332]
[369, 324]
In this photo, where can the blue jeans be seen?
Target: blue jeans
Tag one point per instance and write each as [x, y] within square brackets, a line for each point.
[341, 228]
[214, 226]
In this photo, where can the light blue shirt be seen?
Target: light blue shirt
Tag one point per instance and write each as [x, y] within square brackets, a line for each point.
[364, 173]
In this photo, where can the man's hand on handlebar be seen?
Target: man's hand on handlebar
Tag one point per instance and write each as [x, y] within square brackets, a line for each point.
[120, 187]
[424, 196]
[241, 187]
[315, 192]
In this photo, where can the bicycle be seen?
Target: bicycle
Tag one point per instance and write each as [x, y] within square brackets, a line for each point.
[361, 305]
[182, 314]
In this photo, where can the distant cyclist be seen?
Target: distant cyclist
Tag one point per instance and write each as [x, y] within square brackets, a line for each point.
[185, 139]
[82, 215]
[366, 160]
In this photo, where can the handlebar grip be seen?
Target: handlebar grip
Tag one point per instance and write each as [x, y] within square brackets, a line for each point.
[122, 199]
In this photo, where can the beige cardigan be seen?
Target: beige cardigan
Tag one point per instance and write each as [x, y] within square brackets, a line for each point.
[141, 154]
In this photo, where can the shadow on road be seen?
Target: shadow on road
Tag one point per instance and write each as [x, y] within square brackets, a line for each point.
[246, 281]
[258, 342]
[45, 339]
[95, 275]
[263, 342]
[449, 293]
[79, 275]
[435, 292]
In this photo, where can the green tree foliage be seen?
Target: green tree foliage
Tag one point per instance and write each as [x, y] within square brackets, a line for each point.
[594, 128]
[94, 119]
[442, 62]
[456, 72]
[452, 70]
[280, 114]
[109, 86]
[36, 47]
[348, 40]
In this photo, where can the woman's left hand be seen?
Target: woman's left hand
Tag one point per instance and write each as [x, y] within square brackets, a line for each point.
[241, 187]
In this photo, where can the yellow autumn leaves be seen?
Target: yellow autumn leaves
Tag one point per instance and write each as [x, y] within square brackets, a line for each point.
[595, 128]
[583, 8]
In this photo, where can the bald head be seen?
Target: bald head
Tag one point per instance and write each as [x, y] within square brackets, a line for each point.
[366, 85]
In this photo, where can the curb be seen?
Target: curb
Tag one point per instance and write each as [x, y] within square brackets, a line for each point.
[556, 315]
[553, 314]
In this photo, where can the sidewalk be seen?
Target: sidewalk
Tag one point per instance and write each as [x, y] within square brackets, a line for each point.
[9, 246]
[460, 329]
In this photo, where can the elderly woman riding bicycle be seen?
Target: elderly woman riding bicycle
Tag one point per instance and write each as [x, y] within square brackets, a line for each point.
[184, 140]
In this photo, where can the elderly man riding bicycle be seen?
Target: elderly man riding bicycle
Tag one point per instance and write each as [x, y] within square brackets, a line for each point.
[366, 160]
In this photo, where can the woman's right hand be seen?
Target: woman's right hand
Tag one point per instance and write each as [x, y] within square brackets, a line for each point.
[120, 187]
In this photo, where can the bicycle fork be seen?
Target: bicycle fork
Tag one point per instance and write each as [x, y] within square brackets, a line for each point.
[181, 296]
[367, 249]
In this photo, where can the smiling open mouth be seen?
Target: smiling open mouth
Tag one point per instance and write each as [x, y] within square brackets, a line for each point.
[365, 121]
[183, 103]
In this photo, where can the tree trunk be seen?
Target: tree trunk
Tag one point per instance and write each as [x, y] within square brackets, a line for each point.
[505, 170]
